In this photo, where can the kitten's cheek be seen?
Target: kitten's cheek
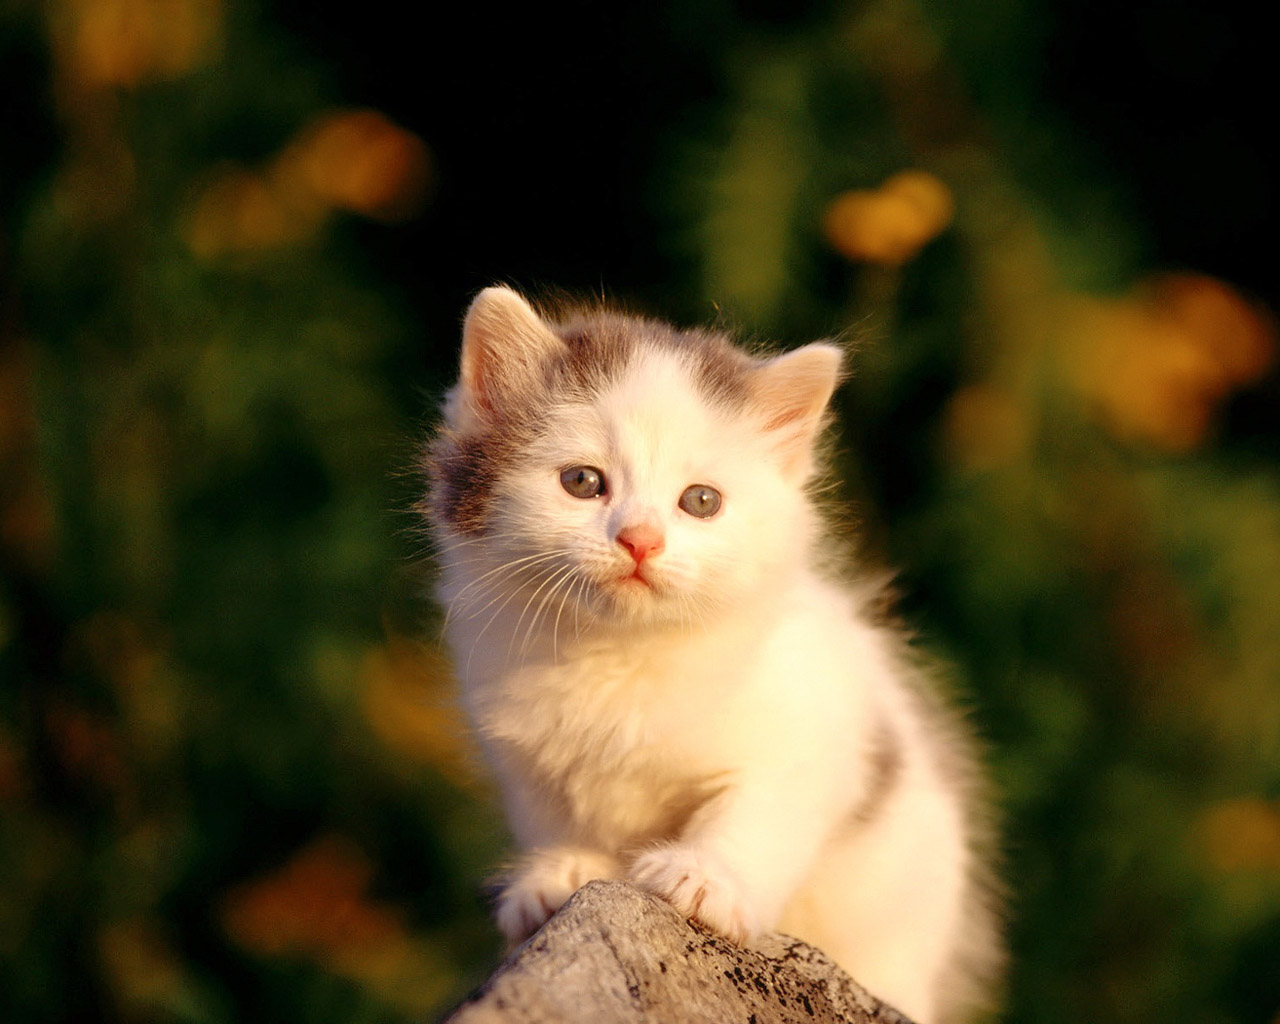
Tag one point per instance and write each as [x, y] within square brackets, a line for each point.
[700, 886]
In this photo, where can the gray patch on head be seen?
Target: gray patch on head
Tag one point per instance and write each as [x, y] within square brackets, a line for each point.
[602, 344]
[599, 346]
[460, 472]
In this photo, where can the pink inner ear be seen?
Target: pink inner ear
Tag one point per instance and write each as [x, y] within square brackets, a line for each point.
[795, 405]
[792, 390]
[785, 417]
[478, 382]
[504, 344]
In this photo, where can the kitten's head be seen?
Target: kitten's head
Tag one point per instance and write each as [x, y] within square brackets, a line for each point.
[618, 471]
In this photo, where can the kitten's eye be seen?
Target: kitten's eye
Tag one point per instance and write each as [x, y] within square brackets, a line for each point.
[582, 481]
[700, 501]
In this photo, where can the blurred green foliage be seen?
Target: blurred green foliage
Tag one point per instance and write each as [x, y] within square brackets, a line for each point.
[232, 786]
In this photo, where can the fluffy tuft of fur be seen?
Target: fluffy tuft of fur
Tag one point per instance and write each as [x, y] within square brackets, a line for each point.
[666, 682]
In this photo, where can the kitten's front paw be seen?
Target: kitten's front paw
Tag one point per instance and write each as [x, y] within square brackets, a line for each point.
[541, 884]
[700, 886]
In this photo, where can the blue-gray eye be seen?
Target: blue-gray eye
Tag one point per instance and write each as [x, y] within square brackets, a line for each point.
[700, 501]
[582, 481]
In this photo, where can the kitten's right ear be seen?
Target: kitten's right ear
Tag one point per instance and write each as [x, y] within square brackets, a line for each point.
[505, 345]
[791, 392]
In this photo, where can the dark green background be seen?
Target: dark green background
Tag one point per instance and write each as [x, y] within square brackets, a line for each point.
[207, 561]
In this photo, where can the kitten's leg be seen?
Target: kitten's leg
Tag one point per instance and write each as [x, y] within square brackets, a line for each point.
[744, 855]
[552, 868]
[541, 883]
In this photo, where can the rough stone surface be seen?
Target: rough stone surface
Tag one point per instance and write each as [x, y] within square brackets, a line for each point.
[615, 954]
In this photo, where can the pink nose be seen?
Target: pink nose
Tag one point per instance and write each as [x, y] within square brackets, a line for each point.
[642, 541]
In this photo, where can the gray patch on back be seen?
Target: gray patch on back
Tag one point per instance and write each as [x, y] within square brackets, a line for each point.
[886, 762]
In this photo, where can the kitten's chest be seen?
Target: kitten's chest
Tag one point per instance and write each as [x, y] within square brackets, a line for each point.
[612, 742]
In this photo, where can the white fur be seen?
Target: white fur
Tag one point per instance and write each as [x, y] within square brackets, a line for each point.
[709, 736]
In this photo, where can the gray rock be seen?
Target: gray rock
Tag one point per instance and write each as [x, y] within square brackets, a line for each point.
[616, 955]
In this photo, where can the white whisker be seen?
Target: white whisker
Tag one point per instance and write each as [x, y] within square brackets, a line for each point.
[460, 598]
[553, 575]
[566, 586]
[555, 580]
[492, 618]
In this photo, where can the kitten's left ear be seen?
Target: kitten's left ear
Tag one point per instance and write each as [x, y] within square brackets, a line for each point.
[791, 392]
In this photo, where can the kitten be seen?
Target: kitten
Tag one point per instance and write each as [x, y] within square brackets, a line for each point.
[668, 685]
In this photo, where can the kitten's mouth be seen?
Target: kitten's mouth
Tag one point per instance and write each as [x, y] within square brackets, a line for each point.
[636, 577]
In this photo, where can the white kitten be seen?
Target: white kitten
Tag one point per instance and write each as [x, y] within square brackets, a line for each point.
[667, 686]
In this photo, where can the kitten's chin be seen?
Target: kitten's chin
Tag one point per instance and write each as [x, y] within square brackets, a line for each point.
[636, 601]
[632, 597]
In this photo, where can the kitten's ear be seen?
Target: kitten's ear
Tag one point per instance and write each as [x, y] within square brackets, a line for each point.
[791, 392]
[505, 345]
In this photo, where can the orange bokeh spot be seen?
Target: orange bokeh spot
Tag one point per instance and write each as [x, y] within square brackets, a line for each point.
[985, 427]
[359, 161]
[1242, 835]
[1155, 364]
[889, 225]
[407, 693]
[241, 211]
[315, 906]
[126, 42]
